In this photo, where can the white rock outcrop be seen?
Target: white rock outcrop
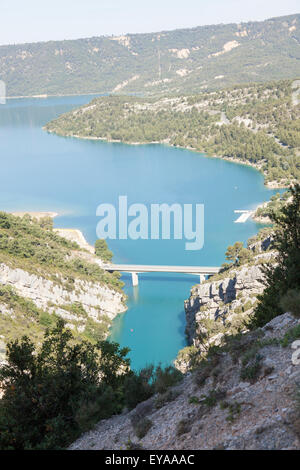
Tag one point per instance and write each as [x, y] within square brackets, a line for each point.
[219, 299]
[97, 300]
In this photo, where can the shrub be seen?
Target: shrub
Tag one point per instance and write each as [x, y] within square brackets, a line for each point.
[165, 398]
[165, 378]
[233, 408]
[142, 427]
[150, 380]
[213, 397]
[205, 369]
[47, 320]
[290, 302]
[183, 427]
[95, 331]
[133, 445]
[247, 306]
[291, 335]
[251, 368]
[194, 400]
[138, 387]
[101, 250]
[188, 357]
[238, 255]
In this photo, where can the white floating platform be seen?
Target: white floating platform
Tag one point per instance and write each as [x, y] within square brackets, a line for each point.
[243, 217]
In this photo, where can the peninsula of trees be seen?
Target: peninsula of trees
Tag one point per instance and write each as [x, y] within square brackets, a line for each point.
[257, 124]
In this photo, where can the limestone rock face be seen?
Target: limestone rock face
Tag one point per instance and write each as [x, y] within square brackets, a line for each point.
[96, 299]
[264, 244]
[220, 299]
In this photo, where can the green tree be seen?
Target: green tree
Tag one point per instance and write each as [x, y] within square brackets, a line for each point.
[237, 254]
[232, 253]
[101, 250]
[54, 393]
[285, 275]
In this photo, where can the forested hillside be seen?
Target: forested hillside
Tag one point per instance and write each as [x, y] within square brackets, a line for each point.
[186, 60]
[257, 124]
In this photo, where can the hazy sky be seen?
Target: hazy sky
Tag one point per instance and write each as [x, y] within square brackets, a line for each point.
[40, 20]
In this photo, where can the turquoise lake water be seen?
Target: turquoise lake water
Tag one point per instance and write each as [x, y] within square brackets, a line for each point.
[41, 171]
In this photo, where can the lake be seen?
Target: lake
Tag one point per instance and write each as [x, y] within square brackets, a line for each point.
[45, 172]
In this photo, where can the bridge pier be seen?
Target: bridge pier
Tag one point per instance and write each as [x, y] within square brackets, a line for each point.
[135, 279]
[202, 278]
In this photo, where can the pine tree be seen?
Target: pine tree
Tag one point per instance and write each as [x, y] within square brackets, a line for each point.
[285, 275]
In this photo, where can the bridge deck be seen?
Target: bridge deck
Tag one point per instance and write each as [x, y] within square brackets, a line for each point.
[136, 268]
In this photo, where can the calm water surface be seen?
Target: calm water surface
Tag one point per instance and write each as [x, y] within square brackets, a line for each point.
[40, 171]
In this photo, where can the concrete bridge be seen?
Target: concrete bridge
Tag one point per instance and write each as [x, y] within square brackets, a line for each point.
[135, 269]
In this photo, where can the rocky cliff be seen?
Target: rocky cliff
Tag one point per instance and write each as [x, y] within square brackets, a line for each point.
[97, 301]
[225, 300]
[243, 397]
[222, 307]
[223, 304]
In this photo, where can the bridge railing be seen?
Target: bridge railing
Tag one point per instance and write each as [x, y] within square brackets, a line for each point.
[201, 271]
